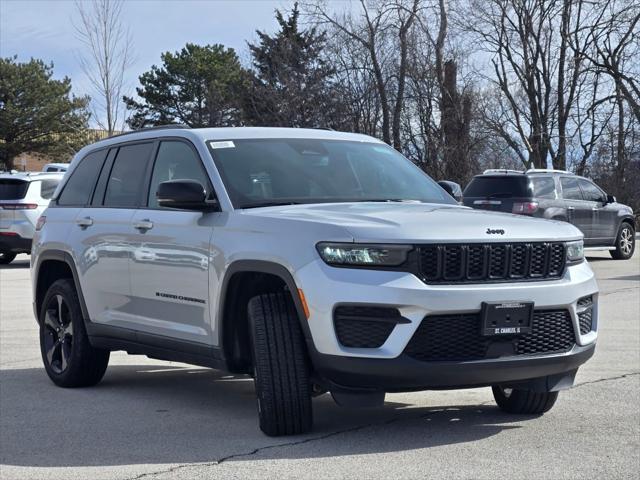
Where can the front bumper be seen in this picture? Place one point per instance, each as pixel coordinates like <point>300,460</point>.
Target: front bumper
<point>405,373</point>
<point>388,368</point>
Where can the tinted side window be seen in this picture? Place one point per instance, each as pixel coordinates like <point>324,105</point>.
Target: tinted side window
<point>127,175</point>
<point>570,188</point>
<point>590,191</point>
<point>47,188</point>
<point>78,188</point>
<point>543,187</point>
<point>175,161</point>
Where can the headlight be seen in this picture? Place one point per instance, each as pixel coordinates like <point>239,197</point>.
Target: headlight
<point>575,252</point>
<point>363,255</point>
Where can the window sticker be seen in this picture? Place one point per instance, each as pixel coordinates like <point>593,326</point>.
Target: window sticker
<point>227,144</point>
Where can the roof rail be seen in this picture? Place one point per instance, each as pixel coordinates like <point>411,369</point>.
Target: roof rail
<point>157,127</point>
<point>500,170</point>
<point>547,170</point>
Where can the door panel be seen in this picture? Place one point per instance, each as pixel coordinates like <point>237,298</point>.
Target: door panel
<point>107,238</point>
<point>103,251</point>
<point>170,264</point>
<point>170,274</point>
<point>579,212</point>
<point>604,216</point>
<point>608,220</point>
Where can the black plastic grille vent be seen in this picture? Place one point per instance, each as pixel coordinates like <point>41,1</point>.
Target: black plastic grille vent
<point>487,262</point>
<point>458,338</point>
<point>585,317</point>
<point>365,327</point>
<point>586,322</point>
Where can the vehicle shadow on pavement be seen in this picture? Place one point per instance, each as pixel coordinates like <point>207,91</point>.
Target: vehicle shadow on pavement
<point>627,278</point>
<point>168,414</point>
<point>15,265</point>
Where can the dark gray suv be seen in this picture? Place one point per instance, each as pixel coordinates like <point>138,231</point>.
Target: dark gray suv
<point>558,195</point>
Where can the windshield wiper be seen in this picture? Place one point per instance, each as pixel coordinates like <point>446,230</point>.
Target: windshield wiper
<point>274,203</point>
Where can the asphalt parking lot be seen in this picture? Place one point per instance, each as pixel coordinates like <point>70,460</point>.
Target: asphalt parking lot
<point>160,420</point>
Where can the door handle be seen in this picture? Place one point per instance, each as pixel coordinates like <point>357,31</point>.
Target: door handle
<point>571,209</point>
<point>84,222</point>
<point>145,224</point>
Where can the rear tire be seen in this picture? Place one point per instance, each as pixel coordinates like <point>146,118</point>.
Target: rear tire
<point>281,367</point>
<point>6,257</point>
<point>69,359</point>
<point>625,242</point>
<point>513,400</point>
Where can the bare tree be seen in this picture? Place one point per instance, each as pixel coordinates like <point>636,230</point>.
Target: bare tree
<point>383,29</point>
<point>536,56</point>
<point>107,42</point>
<point>613,47</point>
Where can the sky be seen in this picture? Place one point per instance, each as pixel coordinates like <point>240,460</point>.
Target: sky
<point>44,29</point>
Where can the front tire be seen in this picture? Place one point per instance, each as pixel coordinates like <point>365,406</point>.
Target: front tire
<point>625,242</point>
<point>513,400</point>
<point>281,367</point>
<point>68,357</point>
<point>6,257</point>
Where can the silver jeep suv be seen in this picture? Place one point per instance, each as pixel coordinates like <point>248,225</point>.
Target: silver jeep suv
<point>312,260</point>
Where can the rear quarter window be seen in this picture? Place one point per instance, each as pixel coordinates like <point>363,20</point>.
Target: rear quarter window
<point>77,191</point>
<point>13,189</point>
<point>543,187</point>
<point>506,186</point>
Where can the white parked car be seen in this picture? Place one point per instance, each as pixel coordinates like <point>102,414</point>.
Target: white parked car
<point>23,198</point>
<point>312,260</point>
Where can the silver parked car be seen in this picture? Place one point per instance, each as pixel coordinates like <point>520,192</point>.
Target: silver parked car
<point>23,198</point>
<point>313,261</point>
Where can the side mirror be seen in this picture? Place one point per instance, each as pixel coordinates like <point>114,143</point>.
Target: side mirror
<point>610,199</point>
<point>452,189</point>
<point>185,195</point>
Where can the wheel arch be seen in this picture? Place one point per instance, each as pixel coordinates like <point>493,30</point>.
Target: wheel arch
<point>243,280</point>
<point>627,219</point>
<point>51,266</point>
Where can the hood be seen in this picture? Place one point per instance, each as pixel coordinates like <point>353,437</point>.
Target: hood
<point>420,222</point>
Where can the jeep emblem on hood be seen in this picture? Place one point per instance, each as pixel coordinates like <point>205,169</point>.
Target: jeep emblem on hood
<point>491,231</point>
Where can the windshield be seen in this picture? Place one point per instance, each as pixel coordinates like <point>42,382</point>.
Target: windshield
<point>262,172</point>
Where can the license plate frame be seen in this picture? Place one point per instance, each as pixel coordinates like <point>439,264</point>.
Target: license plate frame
<point>508,318</point>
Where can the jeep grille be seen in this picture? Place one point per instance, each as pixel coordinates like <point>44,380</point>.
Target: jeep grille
<point>490,262</point>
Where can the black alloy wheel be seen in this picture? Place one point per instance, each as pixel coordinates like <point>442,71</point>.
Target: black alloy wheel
<point>58,335</point>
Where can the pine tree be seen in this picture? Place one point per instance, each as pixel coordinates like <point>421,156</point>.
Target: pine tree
<point>38,114</point>
<point>292,81</point>
<point>199,86</point>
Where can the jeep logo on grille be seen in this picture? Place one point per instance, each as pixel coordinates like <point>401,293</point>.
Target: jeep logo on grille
<point>491,231</point>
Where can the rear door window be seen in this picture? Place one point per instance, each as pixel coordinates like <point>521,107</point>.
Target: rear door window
<point>78,188</point>
<point>543,187</point>
<point>127,177</point>
<point>570,188</point>
<point>13,189</point>
<point>507,186</point>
